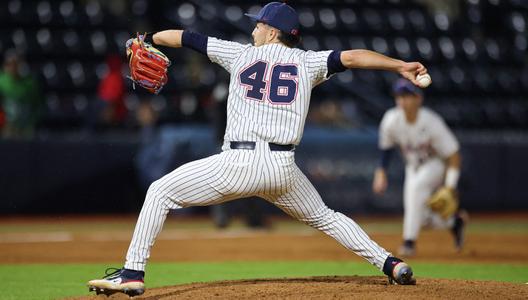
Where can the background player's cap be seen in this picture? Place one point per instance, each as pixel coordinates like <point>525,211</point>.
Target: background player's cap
<point>403,86</point>
<point>279,15</point>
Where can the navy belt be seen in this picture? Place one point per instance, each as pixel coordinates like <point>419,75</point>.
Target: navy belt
<point>251,146</point>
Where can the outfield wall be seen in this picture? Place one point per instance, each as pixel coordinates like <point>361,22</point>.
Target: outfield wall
<point>109,174</point>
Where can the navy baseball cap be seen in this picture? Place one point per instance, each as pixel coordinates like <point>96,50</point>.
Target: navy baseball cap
<point>279,15</point>
<point>403,86</point>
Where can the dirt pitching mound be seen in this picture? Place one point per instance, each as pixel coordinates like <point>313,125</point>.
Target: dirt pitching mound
<point>339,287</point>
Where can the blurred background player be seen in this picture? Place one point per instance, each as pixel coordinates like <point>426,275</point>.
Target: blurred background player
<point>432,159</point>
<point>109,109</point>
<point>20,98</point>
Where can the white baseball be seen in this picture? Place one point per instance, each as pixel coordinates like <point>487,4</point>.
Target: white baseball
<point>424,80</point>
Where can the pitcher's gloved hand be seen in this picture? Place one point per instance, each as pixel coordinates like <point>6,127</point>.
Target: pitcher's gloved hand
<point>148,65</point>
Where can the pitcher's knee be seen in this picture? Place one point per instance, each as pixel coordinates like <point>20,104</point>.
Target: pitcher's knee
<point>321,218</point>
<point>157,191</point>
<point>166,194</point>
<point>154,187</point>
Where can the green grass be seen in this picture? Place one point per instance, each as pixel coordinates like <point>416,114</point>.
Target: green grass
<point>49,281</point>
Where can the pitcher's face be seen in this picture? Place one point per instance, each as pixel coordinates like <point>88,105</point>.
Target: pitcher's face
<point>261,34</point>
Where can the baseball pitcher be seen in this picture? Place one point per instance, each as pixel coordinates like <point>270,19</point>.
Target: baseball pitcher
<point>269,94</point>
<point>432,163</point>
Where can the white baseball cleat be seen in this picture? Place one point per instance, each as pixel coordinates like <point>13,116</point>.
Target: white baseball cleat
<point>398,271</point>
<point>125,281</point>
<point>402,274</point>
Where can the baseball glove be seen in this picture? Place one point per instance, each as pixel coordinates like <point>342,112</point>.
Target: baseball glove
<point>148,65</point>
<point>444,202</point>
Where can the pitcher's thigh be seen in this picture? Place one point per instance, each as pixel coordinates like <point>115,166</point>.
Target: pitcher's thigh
<point>192,184</point>
<point>301,201</point>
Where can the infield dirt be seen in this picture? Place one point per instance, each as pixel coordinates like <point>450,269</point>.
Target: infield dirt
<point>74,240</point>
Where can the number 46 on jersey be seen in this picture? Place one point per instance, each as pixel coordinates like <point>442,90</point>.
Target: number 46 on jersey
<point>281,88</point>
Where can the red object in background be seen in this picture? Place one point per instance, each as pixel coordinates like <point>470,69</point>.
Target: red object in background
<point>2,118</point>
<point>112,88</point>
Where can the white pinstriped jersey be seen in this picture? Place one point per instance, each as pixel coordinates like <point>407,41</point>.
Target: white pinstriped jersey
<point>269,91</point>
<point>428,137</point>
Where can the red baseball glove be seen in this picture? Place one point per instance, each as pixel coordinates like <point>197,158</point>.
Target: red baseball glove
<point>148,65</point>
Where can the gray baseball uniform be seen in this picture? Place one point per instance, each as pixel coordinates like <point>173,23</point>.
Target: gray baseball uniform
<point>269,95</point>
<point>424,145</point>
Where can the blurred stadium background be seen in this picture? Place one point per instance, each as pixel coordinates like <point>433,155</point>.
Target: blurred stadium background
<point>87,142</point>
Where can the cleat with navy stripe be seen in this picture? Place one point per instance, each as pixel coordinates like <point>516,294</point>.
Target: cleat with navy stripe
<point>125,281</point>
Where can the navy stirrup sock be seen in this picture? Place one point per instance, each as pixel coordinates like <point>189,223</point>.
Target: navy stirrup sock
<point>389,264</point>
<point>133,274</point>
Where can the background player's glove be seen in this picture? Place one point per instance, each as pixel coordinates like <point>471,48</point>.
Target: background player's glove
<point>148,65</point>
<point>444,202</point>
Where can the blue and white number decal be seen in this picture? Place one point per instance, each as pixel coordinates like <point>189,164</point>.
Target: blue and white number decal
<point>281,88</point>
<point>253,78</point>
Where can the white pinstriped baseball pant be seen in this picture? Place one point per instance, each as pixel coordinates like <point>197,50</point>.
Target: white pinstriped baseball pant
<point>419,185</point>
<point>232,174</point>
